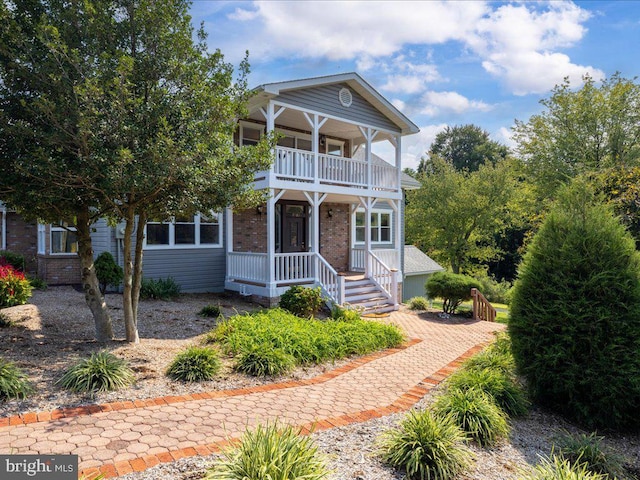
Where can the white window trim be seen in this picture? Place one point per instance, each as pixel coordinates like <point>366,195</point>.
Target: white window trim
<point>56,228</point>
<point>254,126</point>
<point>295,135</point>
<point>337,143</point>
<point>376,211</point>
<point>181,246</point>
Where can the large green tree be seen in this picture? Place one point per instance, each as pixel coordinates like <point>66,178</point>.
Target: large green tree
<point>455,215</point>
<point>466,147</point>
<point>114,101</point>
<point>581,131</point>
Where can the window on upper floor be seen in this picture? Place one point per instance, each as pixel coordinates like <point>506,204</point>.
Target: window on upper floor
<point>250,133</point>
<point>381,227</point>
<point>185,231</point>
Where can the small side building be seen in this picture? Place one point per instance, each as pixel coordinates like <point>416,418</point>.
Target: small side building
<point>417,268</point>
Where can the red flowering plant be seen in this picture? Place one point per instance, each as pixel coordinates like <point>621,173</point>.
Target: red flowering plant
<point>15,289</point>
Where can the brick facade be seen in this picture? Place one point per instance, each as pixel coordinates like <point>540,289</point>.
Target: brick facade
<point>335,232</point>
<point>250,230</point>
<point>60,269</point>
<point>22,238</point>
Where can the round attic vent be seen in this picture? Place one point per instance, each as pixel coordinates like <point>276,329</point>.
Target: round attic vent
<point>345,97</point>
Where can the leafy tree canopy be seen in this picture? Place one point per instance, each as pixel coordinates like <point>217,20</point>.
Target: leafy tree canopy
<point>464,147</point>
<point>581,131</point>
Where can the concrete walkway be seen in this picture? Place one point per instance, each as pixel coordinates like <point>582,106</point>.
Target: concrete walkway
<point>115,439</point>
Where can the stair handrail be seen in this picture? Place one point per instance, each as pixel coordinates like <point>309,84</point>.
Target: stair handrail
<point>482,308</point>
<point>331,282</point>
<point>383,276</point>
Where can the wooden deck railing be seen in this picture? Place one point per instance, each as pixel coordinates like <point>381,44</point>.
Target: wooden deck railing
<point>482,309</point>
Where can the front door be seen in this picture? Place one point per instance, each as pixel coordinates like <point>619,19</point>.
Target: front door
<point>294,227</point>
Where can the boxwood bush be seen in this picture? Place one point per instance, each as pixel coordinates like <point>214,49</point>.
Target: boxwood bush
<point>575,314</point>
<point>452,288</point>
<point>302,301</point>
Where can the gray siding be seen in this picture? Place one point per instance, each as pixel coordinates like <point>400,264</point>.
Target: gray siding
<point>325,99</point>
<point>101,237</point>
<point>413,286</point>
<point>194,269</point>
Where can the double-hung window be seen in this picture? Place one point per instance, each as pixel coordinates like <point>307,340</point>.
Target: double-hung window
<point>62,239</point>
<point>380,232</point>
<point>185,231</point>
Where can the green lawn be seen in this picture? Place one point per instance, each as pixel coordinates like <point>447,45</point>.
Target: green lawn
<point>502,310</point>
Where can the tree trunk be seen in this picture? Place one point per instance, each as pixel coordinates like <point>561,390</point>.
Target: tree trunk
<point>137,264</point>
<point>93,296</point>
<point>130,318</point>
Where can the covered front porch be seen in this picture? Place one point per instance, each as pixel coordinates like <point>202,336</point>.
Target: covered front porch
<point>308,238</point>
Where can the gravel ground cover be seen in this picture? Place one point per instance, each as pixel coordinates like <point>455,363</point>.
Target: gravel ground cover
<point>56,329</point>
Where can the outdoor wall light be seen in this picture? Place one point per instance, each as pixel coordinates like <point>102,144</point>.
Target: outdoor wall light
<point>330,213</point>
<point>323,140</point>
<point>259,209</point>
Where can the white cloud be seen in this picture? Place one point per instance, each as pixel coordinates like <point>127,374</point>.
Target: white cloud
<point>435,103</point>
<point>243,15</point>
<point>505,136</point>
<point>414,147</point>
<point>518,45</point>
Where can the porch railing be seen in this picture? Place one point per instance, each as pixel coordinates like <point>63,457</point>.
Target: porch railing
<point>298,165</point>
<point>250,267</point>
<point>294,267</point>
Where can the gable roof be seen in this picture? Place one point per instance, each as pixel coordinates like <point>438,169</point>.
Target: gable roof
<point>418,263</point>
<point>356,82</point>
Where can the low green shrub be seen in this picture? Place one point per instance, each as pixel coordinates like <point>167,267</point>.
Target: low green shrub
<point>160,289</point>
<point>15,289</point>
<point>557,468</point>
<point>196,364</point>
<point>475,413</point>
<point>494,291</point>
<point>590,450</point>
<point>264,361</point>
<point>109,273</point>
<point>452,288</point>
<point>419,303</point>
<point>426,446</point>
<point>345,314</point>
<point>306,341</point>
<point>210,311</point>
<point>101,372</point>
<point>37,283</point>
<point>13,382</point>
<point>14,259</point>
<point>271,453</point>
<point>502,388</point>
<point>493,358</point>
<point>304,302</point>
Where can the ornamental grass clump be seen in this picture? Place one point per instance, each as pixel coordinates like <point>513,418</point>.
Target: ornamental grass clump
<point>271,453</point>
<point>590,451</point>
<point>263,361</point>
<point>210,311</point>
<point>475,413</point>
<point>503,389</point>
<point>418,303</point>
<point>426,446</point>
<point>13,382</point>
<point>558,468</point>
<point>101,372</point>
<point>196,364</point>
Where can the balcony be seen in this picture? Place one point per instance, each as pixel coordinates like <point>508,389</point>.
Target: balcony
<point>292,165</point>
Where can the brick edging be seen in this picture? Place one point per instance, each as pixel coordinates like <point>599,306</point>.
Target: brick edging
<point>402,403</point>
<point>32,417</point>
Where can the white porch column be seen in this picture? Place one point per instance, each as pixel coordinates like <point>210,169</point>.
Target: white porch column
<point>398,144</point>
<point>271,243</point>
<point>228,224</point>
<point>367,234</point>
<point>315,201</point>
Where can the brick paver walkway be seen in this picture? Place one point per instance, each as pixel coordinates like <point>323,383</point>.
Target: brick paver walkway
<point>116,439</point>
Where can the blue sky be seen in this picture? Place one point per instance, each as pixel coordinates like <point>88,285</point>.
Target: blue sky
<point>440,63</point>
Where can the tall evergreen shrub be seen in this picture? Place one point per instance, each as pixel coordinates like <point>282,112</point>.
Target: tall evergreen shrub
<point>575,314</point>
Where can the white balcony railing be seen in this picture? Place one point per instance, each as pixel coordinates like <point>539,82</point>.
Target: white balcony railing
<point>299,165</point>
<point>388,256</point>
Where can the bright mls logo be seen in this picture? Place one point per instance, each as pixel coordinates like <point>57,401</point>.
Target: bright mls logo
<point>44,467</point>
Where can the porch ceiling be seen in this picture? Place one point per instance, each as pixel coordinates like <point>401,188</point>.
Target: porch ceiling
<point>295,120</point>
<point>298,195</point>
